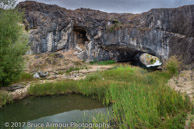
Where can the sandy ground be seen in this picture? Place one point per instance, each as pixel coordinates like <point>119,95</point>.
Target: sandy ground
<point>184,83</point>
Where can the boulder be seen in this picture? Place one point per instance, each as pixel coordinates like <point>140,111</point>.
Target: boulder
<point>43,74</point>
<point>36,75</point>
<point>14,87</point>
<point>58,55</point>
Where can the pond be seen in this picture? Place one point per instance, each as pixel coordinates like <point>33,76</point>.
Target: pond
<point>64,109</point>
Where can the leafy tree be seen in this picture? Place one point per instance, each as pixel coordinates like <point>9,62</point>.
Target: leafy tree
<point>13,43</point>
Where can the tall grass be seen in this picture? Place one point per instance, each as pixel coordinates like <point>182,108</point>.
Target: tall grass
<point>25,77</point>
<point>139,99</point>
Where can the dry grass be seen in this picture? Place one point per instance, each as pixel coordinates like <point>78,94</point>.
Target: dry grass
<point>50,62</point>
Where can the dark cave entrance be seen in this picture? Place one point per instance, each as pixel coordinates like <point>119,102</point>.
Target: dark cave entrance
<point>80,37</point>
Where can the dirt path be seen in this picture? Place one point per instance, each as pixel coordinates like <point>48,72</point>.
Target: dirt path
<point>80,74</point>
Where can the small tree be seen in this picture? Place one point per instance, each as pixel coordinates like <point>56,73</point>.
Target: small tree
<point>13,43</point>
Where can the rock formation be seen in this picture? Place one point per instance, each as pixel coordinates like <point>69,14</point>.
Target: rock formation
<point>97,35</point>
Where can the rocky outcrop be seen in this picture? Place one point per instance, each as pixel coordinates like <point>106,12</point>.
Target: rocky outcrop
<point>97,35</point>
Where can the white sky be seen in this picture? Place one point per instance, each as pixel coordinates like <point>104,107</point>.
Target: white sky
<point>120,6</point>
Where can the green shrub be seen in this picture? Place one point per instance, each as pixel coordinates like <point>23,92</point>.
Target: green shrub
<point>13,45</point>
<point>26,77</point>
<point>115,26</point>
<point>172,66</point>
<point>4,98</point>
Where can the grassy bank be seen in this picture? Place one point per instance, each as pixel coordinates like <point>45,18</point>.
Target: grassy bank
<point>4,98</point>
<point>139,99</point>
<point>107,62</point>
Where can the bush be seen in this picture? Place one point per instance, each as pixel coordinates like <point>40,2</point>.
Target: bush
<point>25,77</point>
<point>4,98</point>
<point>172,66</point>
<point>13,45</point>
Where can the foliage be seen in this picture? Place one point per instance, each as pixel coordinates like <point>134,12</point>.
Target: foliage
<point>152,61</point>
<point>114,27</point>
<point>25,77</point>
<point>139,99</point>
<point>72,69</point>
<point>108,62</point>
<point>13,45</point>
<point>172,66</point>
<point>176,122</point>
<point>4,98</point>
<point>93,77</point>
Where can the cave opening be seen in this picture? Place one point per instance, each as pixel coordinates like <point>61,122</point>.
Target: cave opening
<point>147,61</point>
<point>80,36</point>
<point>138,58</point>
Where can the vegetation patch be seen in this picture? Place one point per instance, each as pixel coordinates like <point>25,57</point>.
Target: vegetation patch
<point>172,66</point>
<point>139,99</point>
<point>13,45</point>
<point>108,62</point>
<point>25,77</point>
<point>4,98</point>
<point>72,69</point>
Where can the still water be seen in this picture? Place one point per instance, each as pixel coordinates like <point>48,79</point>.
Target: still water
<point>61,109</point>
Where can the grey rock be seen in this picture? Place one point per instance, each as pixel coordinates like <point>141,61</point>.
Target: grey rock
<point>58,55</point>
<point>15,87</point>
<point>104,36</point>
<point>36,75</point>
<point>40,74</point>
<point>43,74</point>
<point>36,57</point>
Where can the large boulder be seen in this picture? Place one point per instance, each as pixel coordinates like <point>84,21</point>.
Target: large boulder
<point>40,74</point>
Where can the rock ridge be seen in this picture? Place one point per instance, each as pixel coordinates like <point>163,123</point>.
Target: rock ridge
<point>97,35</point>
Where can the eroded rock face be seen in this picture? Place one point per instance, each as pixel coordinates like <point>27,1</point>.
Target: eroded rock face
<point>98,35</point>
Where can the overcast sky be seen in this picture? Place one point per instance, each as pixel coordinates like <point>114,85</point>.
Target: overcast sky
<point>120,6</point>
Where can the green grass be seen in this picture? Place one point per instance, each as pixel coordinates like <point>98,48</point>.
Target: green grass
<point>4,98</point>
<point>25,77</point>
<point>139,99</point>
<point>72,69</point>
<point>172,65</point>
<point>108,62</point>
